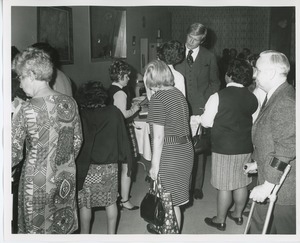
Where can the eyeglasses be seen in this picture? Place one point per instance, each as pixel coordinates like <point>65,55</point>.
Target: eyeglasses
<point>20,77</point>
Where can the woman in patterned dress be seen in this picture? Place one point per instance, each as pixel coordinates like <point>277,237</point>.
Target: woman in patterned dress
<point>173,152</point>
<point>50,125</point>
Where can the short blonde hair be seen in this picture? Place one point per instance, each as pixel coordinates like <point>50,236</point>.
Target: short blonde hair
<point>197,29</point>
<point>158,74</point>
<point>277,60</point>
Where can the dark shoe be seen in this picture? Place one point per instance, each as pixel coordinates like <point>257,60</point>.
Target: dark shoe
<point>133,208</point>
<point>237,220</point>
<point>198,194</point>
<point>219,226</point>
<point>151,229</point>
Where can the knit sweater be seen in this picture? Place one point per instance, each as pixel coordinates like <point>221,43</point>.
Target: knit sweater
<point>105,140</point>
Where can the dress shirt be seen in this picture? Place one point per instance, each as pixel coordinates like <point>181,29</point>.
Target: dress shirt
<point>194,54</point>
<point>178,80</point>
<point>211,109</point>
<point>260,95</point>
<point>63,83</point>
<point>271,91</point>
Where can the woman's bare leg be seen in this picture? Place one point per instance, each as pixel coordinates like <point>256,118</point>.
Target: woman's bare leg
<point>85,220</point>
<point>178,215</point>
<point>125,187</point>
<point>112,215</point>
<point>224,200</point>
<point>240,198</point>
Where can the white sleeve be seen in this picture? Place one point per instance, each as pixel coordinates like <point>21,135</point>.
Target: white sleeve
<point>211,109</point>
<point>181,86</point>
<point>120,101</point>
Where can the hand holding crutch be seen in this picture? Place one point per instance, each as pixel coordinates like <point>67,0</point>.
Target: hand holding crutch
<point>272,197</point>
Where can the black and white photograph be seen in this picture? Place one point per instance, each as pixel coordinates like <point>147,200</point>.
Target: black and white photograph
<point>164,121</point>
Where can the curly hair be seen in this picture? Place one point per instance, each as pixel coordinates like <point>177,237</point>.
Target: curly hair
<point>171,52</point>
<point>252,59</point>
<point>91,95</point>
<point>33,61</point>
<point>240,72</point>
<point>118,69</point>
<point>158,74</point>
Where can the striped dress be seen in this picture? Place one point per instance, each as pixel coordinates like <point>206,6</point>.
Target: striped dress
<point>169,108</point>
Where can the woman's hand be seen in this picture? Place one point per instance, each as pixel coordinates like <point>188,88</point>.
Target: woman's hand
<point>135,108</point>
<point>250,168</point>
<point>153,172</point>
<point>194,123</point>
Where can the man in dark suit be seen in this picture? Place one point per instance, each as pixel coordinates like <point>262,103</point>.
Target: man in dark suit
<point>201,74</point>
<point>274,139</point>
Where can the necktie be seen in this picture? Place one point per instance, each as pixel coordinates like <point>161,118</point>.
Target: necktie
<point>189,58</point>
<point>264,103</point>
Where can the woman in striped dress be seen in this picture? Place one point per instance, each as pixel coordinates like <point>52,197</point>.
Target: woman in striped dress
<point>171,141</point>
<point>229,113</point>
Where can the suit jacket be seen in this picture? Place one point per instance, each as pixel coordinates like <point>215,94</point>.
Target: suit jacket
<point>202,79</point>
<point>274,135</point>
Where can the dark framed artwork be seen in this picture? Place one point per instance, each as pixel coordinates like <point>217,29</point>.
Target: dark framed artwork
<point>55,27</point>
<point>108,33</point>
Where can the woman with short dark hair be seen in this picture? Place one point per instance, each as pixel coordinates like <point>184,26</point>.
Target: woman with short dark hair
<point>172,52</point>
<point>105,146</point>
<point>229,113</point>
<point>119,72</point>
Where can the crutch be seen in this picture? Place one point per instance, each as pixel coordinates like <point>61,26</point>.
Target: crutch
<point>272,197</point>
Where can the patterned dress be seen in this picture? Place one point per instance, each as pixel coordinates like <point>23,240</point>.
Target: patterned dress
<point>47,188</point>
<point>169,108</point>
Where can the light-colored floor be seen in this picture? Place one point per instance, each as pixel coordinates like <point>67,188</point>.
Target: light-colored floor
<point>131,222</point>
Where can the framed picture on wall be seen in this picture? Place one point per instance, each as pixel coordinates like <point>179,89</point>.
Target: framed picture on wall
<point>55,27</point>
<point>108,33</point>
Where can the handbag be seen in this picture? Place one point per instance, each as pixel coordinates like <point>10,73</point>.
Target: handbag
<point>170,225</point>
<point>151,208</point>
<point>202,141</point>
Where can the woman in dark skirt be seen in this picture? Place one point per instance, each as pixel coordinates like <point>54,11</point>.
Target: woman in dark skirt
<point>229,113</point>
<point>105,145</point>
<point>119,72</point>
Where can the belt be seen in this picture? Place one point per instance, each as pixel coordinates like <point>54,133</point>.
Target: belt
<point>177,140</point>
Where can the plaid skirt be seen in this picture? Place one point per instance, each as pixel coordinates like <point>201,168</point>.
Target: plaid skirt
<point>100,188</point>
<point>132,138</point>
<point>227,171</point>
